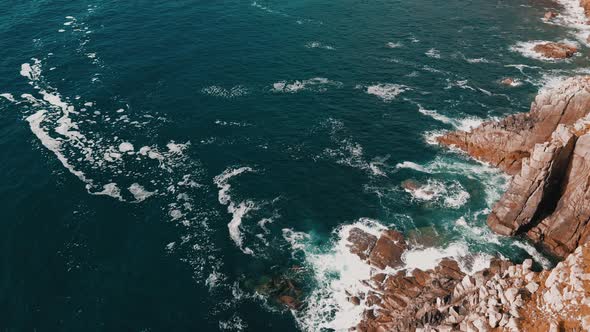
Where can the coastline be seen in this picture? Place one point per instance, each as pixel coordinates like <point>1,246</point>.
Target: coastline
<point>547,153</point>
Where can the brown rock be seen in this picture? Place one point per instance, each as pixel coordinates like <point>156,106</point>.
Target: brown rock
<point>290,302</point>
<point>548,151</point>
<point>549,15</point>
<point>388,250</point>
<point>361,242</point>
<point>354,300</point>
<point>507,81</point>
<point>410,185</point>
<point>556,50</point>
<point>531,192</point>
<point>506,142</point>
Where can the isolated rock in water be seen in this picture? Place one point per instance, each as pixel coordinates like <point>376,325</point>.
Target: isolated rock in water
<point>508,81</point>
<point>556,50</point>
<point>506,142</point>
<point>388,250</point>
<point>361,242</point>
<point>411,185</point>
<point>549,15</point>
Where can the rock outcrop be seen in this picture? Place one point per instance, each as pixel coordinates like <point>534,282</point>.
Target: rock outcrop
<point>556,50</point>
<point>506,142</point>
<point>503,297</point>
<point>548,152</point>
<point>382,252</point>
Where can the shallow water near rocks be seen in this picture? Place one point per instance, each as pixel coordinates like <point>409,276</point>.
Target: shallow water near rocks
<point>162,162</point>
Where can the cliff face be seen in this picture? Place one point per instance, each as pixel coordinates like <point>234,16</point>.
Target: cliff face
<point>548,152</point>
<point>505,143</point>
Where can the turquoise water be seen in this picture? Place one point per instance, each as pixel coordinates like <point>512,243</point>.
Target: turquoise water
<point>133,133</point>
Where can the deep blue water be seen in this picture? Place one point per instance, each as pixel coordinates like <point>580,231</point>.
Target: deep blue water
<point>321,109</point>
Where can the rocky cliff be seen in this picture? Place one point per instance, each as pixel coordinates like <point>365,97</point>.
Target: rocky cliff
<point>548,152</point>
<point>503,297</point>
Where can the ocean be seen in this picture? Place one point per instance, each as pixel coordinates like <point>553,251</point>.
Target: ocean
<point>166,164</point>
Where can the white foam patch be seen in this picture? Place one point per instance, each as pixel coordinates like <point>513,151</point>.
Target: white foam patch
<point>126,147</point>
<point>52,144</point>
<point>221,92</point>
<point>112,190</point>
<point>237,210</point>
<point>494,181</point>
<point>139,192</point>
<point>394,45</point>
<point>348,152</point>
<point>433,53</point>
<point>8,96</point>
<point>477,60</point>
<point>428,258</point>
<point>451,194</point>
<point>464,124</point>
<point>317,84</point>
<point>526,49</point>
<point>316,44</point>
<point>572,16</point>
<point>386,91</point>
<point>412,165</point>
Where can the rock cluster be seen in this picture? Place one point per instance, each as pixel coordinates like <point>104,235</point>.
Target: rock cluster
<point>548,152</point>
<point>503,297</point>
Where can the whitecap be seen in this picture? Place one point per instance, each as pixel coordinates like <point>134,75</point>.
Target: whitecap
<point>8,96</point>
<point>394,45</point>
<point>221,92</point>
<point>386,91</point>
<point>239,210</point>
<point>126,147</point>
<point>139,192</point>
<point>433,53</point>
<point>316,44</point>
<point>319,84</point>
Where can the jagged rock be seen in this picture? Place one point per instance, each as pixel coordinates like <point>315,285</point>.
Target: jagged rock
<point>361,242</point>
<point>548,151</point>
<point>532,287</point>
<point>556,50</point>
<point>506,142</point>
<point>388,250</point>
<point>511,294</point>
<point>527,265</point>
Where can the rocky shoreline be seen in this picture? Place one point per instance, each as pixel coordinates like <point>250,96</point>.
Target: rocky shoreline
<point>547,153</point>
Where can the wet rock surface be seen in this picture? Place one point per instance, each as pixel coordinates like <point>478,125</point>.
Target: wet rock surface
<point>555,50</point>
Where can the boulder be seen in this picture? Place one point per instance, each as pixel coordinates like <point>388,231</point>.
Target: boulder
<point>556,50</point>
<point>361,242</point>
<point>388,250</point>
